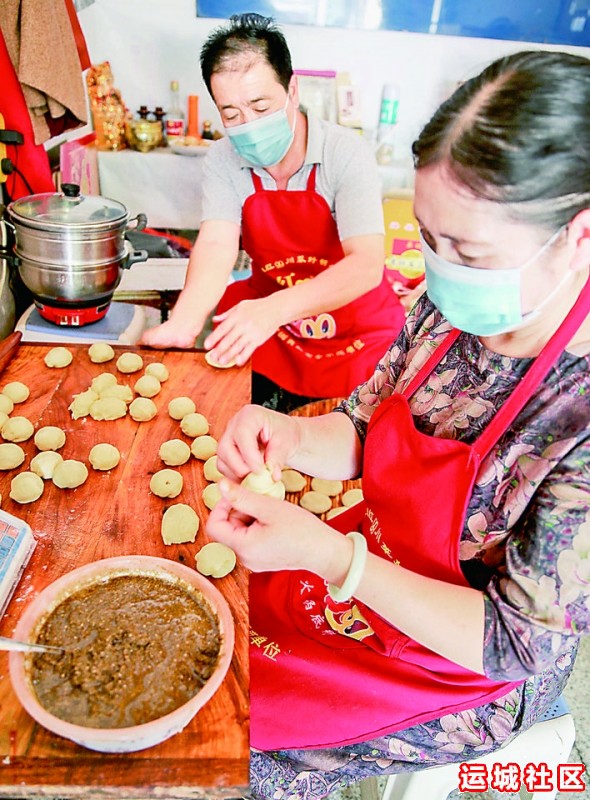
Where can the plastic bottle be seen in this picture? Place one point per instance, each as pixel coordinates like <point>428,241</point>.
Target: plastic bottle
<point>175,116</point>
<point>387,123</point>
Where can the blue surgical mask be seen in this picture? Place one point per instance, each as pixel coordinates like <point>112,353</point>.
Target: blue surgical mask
<point>484,302</point>
<point>264,141</point>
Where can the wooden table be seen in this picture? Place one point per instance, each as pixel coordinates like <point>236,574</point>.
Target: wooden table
<point>114,513</point>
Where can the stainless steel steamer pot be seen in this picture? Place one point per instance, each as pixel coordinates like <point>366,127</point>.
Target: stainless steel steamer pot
<point>70,249</point>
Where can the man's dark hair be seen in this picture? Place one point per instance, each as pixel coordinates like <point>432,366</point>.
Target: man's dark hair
<point>246,34</point>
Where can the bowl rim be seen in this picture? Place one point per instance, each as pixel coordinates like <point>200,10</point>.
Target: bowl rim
<point>85,575</point>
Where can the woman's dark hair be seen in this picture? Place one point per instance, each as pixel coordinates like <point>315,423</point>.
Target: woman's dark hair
<point>518,134</point>
<point>246,33</point>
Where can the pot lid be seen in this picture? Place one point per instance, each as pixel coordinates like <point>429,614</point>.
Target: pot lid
<point>68,208</point>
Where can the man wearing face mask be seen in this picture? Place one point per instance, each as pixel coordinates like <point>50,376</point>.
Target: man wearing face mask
<point>301,196</point>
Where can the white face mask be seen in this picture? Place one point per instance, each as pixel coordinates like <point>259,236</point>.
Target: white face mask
<point>484,302</point>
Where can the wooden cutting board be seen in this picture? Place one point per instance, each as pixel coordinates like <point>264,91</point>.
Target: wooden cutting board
<point>114,513</point>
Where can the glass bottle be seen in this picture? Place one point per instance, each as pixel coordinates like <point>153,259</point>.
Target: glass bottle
<point>175,116</point>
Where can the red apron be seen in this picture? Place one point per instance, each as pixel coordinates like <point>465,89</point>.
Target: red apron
<point>291,237</point>
<point>324,674</point>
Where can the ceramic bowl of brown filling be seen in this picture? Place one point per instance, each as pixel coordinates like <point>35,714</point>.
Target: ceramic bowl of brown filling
<point>147,642</point>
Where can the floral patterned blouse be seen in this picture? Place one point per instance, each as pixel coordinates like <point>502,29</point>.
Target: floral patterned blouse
<point>525,544</point>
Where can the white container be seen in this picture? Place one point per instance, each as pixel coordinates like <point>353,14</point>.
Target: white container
<point>138,737</point>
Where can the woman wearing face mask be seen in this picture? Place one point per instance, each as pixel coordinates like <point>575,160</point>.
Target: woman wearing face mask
<point>304,197</point>
<point>449,616</point>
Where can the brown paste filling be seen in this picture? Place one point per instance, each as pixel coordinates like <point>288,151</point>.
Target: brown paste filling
<point>136,647</point>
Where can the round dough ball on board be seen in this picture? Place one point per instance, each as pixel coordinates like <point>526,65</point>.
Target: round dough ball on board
<point>100,352</point>
<point>211,495</point>
<point>26,487</point>
<point>118,390</point>
<point>210,470</point>
<point>108,408</point>
<point>215,559</point>
<point>203,447</point>
<point>352,497</point>
<point>213,363</point>
<point>166,483</point>
<point>179,407</point>
<point>6,404</point>
<point>294,481</point>
<point>333,512</point>
<point>80,405</point>
<point>45,462</point>
<point>17,391</point>
<point>174,452</point>
<point>325,486</point>
<point>180,524</point>
<point>50,437</point>
<point>316,502</point>
<point>147,386</point>
<point>100,382</point>
<point>104,456</point>
<point>11,456</point>
<point>17,429</point>
<point>194,424</point>
<point>129,362</point>
<point>58,357</point>
<point>158,370</point>
<point>142,409</point>
<point>69,474</point>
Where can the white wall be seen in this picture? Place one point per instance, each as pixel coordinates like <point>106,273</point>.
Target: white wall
<point>151,42</point>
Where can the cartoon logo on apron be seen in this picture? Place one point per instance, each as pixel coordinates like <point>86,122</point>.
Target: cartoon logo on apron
<point>321,327</point>
<point>348,622</point>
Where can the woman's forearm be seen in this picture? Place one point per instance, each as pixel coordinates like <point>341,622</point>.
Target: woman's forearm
<point>329,447</point>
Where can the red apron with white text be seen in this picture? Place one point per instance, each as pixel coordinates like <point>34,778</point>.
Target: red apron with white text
<point>324,674</point>
<point>291,237</point>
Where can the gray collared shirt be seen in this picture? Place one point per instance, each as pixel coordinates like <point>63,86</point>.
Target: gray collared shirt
<point>347,178</point>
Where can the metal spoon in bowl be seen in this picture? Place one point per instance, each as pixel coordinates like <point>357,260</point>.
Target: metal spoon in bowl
<point>27,647</point>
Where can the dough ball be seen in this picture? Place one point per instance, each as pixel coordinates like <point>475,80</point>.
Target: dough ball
<point>17,429</point>
<point>129,362</point>
<point>26,487</point>
<point>17,392</point>
<point>174,452</point>
<point>294,481</point>
<point>142,409</point>
<point>3,418</point>
<point>99,352</point>
<point>213,363</point>
<point>211,495</point>
<point>11,456</point>
<point>166,483</point>
<point>352,497</point>
<point>316,502</point>
<point>58,357</point>
<point>69,473</point>
<point>179,407</point>
<point>158,370</point>
<point>147,386</point>
<point>80,405</point>
<point>204,447</point>
<point>102,381</point>
<point>180,523</point>
<point>108,408</point>
<point>104,456</point>
<point>6,404</point>
<point>118,390</point>
<point>324,486</point>
<point>210,470</point>
<point>44,463</point>
<point>50,437</point>
<point>263,483</point>
<point>215,559</point>
<point>194,424</point>
<point>333,512</point>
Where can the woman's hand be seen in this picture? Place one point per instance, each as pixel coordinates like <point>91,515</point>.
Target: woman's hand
<point>269,534</point>
<point>242,329</point>
<point>255,437</point>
